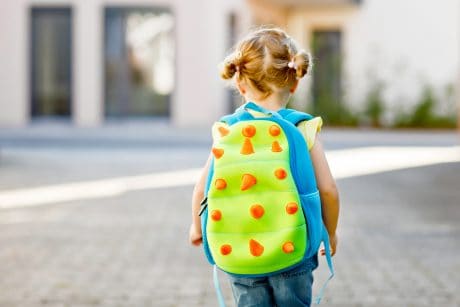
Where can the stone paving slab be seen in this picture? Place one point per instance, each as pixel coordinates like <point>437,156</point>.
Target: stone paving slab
<point>398,247</point>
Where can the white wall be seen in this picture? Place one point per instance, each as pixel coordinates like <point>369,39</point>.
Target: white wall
<point>199,42</point>
<point>404,43</point>
<point>203,35</point>
<point>14,108</point>
<point>88,90</point>
<point>201,38</point>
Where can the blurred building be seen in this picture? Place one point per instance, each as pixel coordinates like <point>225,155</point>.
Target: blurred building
<point>89,60</point>
<point>400,48</point>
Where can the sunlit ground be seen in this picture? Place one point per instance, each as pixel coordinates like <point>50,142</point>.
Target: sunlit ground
<point>104,222</point>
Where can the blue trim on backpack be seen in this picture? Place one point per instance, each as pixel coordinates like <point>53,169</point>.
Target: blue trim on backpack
<point>293,116</point>
<point>204,217</point>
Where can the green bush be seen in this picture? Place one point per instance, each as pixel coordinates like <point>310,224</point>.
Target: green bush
<point>423,114</point>
<point>334,113</point>
<point>375,106</point>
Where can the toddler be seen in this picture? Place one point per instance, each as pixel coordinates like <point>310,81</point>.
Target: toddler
<point>266,67</point>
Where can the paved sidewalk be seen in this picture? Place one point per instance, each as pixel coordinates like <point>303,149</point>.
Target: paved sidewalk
<point>398,234</point>
<point>398,247</point>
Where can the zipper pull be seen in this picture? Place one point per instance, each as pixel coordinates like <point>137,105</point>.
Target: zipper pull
<point>203,206</point>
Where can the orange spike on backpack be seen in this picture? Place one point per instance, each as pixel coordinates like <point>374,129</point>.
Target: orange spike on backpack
<point>292,207</point>
<point>257,211</point>
<point>223,131</point>
<point>280,173</point>
<point>247,181</point>
<point>274,130</point>
<point>220,184</point>
<point>218,152</point>
<point>247,148</point>
<point>216,215</point>
<point>225,249</point>
<point>276,147</point>
<point>249,131</point>
<point>256,248</point>
<point>288,247</point>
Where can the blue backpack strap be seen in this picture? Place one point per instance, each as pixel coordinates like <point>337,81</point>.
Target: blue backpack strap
<point>327,250</point>
<point>239,115</point>
<point>293,116</point>
<point>242,114</point>
<point>220,296</point>
<point>231,118</point>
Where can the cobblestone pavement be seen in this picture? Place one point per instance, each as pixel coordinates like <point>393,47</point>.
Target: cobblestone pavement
<point>398,238</point>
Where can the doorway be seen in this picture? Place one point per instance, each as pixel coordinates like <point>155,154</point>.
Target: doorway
<point>51,62</point>
<point>327,71</point>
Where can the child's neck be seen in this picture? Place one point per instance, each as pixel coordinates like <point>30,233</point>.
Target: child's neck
<point>274,102</point>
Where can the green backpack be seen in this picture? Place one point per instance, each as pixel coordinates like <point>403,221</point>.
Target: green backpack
<point>262,210</point>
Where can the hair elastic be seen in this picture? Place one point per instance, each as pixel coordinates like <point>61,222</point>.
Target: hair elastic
<point>292,64</point>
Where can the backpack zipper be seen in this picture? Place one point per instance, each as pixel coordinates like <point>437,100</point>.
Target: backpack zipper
<point>203,205</point>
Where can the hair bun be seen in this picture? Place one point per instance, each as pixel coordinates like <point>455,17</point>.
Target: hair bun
<point>228,70</point>
<point>266,60</point>
<point>302,62</point>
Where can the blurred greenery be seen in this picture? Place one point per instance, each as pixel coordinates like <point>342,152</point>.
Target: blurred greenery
<point>424,115</point>
<point>375,106</point>
<point>334,113</point>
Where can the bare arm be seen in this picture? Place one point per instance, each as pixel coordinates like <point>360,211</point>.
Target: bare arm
<point>328,191</point>
<point>198,194</point>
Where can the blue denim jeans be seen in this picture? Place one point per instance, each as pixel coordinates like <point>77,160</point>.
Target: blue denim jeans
<point>291,288</point>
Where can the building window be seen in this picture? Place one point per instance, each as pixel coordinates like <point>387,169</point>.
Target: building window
<point>327,71</point>
<point>139,61</point>
<point>50,61</point>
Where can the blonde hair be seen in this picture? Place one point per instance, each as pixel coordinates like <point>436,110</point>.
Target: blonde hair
<point>268,59</point>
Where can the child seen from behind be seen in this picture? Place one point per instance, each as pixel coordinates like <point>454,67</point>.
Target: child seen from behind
<point>266,67</point>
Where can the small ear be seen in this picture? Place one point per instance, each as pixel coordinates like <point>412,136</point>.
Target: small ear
<point>241,87</point>
<point>294,87</point>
